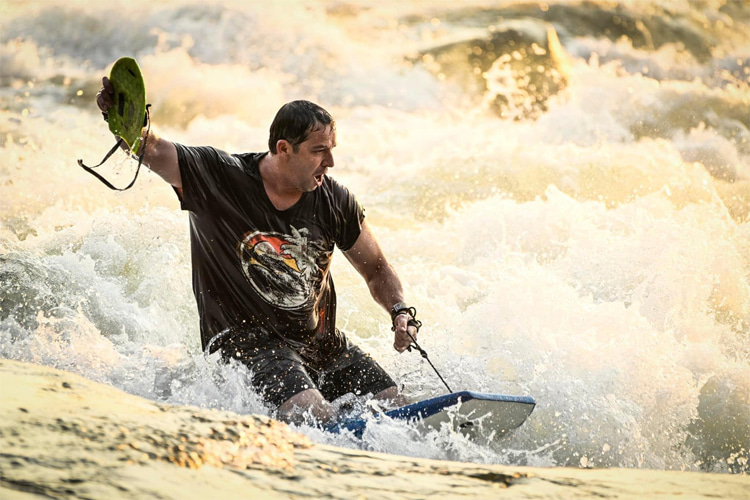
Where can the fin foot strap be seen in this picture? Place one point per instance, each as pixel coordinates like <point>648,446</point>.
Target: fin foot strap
<point>120,141</point>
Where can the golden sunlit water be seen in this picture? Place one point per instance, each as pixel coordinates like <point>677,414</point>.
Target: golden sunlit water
<point>564,188</point>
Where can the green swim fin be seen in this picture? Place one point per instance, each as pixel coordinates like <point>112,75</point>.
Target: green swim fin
<point>127,116</point>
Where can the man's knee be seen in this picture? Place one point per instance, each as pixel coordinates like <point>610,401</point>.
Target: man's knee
<point>391,397</point>
<point>309,400</point>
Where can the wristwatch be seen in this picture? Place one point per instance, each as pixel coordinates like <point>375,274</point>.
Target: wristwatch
<point>398,308</point>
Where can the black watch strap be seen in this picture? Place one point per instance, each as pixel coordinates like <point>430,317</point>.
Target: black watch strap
<point>401,308</point>
<point>398,308</point>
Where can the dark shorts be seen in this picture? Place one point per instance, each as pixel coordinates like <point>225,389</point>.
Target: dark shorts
<point>279,371</point>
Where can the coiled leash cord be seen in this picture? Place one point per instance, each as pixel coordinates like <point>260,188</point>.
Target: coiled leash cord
<point>147,124</point>
<point>413,321</point>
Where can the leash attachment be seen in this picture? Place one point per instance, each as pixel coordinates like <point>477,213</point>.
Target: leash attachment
<point>401,308</point>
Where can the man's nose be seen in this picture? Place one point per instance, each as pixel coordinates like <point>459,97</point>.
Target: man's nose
<point>328,160</point>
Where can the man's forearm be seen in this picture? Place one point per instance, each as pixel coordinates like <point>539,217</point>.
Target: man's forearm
<point>385,287</point>
<point>383,282</point>
<point>387,291</point>
<point>161,157</point>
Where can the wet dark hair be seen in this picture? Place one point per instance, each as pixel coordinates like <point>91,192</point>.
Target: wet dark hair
<point>295,121</point>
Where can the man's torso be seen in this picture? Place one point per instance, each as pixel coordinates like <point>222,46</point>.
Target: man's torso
<point>256,267</point>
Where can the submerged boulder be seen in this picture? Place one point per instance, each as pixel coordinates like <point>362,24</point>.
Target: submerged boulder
<point>513,70</point>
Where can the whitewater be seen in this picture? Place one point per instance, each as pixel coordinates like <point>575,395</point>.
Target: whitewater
<point>563,187</point>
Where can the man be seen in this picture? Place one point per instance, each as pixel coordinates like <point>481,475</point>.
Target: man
<point>263,227</point>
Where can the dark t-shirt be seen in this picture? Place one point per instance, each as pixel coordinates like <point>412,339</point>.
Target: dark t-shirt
<point>256,268</point>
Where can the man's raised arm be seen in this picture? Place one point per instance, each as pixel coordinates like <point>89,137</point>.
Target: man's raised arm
<point>160,155</point>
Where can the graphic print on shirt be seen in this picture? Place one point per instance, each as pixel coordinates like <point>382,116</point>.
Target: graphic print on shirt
<point>282,268</point>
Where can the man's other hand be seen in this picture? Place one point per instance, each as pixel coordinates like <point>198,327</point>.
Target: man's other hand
<point>401,339</point>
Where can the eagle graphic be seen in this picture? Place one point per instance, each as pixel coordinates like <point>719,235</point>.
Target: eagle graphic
<point>281,268</point>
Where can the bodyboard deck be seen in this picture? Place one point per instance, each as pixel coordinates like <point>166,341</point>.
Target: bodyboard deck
<point>479,416</point>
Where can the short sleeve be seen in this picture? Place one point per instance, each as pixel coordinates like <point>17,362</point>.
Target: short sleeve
<point>203,172</point>
<point>348,216</point>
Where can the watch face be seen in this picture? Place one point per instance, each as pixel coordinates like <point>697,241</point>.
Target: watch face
<point>399,306</point>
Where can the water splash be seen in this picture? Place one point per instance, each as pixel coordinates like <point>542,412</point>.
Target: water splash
<point>595,257</point>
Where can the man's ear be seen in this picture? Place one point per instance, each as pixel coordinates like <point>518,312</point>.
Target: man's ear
<point>283,147</point>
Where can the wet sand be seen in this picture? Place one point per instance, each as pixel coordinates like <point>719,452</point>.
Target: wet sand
<point>64,436</point>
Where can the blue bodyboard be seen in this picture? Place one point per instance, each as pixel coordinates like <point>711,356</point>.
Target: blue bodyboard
<point>479,416</point>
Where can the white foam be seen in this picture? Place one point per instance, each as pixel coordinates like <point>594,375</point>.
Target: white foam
<point>585,258</point>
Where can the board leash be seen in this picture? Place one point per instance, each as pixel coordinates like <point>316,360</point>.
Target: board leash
<point>424,355</point>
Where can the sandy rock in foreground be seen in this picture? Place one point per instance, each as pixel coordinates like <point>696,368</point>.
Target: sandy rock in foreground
<point>63,436</point>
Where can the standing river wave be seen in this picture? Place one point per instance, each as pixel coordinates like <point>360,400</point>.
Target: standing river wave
<point>564,188</point>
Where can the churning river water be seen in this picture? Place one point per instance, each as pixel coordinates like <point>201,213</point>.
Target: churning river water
<point>564,188</point>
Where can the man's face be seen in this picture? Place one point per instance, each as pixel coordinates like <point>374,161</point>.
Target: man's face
<point>312,160</point>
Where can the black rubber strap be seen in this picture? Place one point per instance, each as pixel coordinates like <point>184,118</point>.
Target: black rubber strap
<point>106,157</point>
<point>402,308</point>
<point>147,123</point>
<point>411,311</point>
